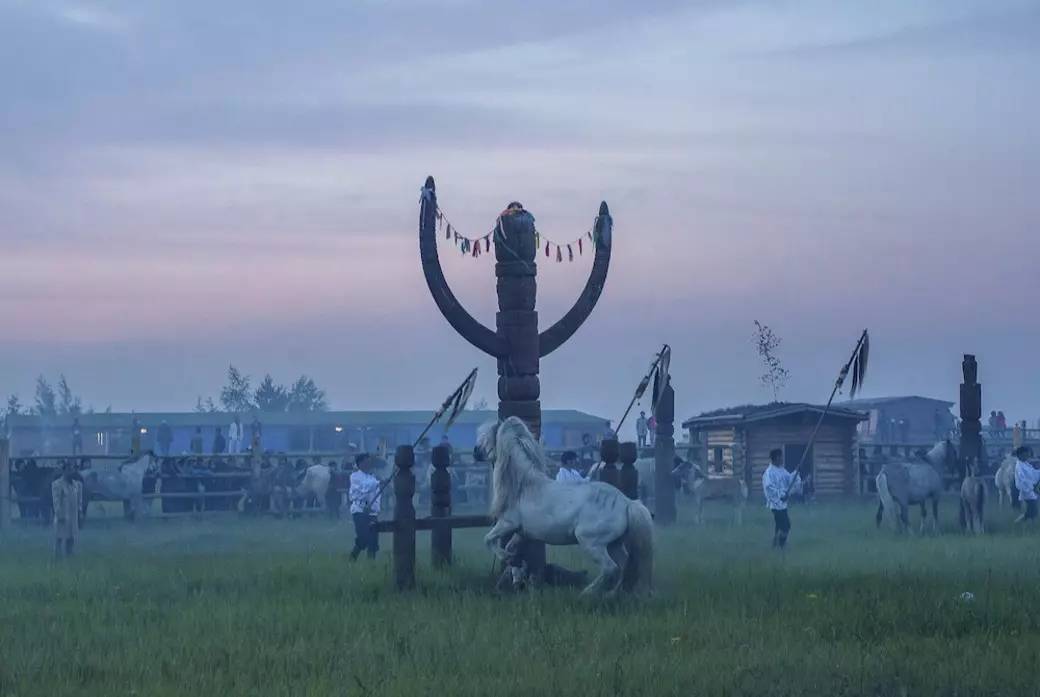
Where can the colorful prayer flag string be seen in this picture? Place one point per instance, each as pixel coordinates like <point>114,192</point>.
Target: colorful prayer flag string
<point>475,246</point>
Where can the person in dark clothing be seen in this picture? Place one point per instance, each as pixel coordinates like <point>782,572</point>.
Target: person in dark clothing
<point>77,437</point>
<point>164,438</point>
<point>196,441</point>
<point>219,444</point>
<point>256,433</point>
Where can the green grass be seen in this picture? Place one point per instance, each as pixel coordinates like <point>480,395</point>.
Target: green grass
<point>236,607</point>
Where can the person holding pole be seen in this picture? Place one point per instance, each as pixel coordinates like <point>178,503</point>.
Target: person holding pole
<point>777,484</point>
<point>365,491</point>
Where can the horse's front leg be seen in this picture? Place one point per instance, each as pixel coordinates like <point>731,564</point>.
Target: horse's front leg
<point>501,528</point>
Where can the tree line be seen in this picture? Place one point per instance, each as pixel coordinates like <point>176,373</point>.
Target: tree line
<point>236,395</point>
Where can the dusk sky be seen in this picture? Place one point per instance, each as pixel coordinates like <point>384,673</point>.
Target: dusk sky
<point>190,184</point>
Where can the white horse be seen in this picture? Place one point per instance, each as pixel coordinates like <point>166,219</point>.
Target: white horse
<point>614,530</point>
<point>1005,480</point>
<point>315,483</point>
<point>973,502</point>
<point>691,478</point>
<point>904,484</point>
<point>123,484</point>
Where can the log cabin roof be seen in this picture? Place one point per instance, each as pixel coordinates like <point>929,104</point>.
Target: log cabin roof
<point>872,402</point>
<point>749,413</point>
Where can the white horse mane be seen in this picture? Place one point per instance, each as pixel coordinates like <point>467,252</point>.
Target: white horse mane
<point>517,460</point>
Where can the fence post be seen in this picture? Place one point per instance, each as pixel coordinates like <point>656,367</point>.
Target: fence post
<point>629,476</point>
<point>664,458</point>
<point>608,452</point>
<point>440,505</point>
<point>404,518</point>
<point>5,485</point>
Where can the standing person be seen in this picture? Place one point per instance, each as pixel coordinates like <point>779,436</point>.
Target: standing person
<point>196,441</point>
<point>569,471</point>
<point>651,425</point>
<point>234,437</point>
<point>164,438</point>
<point>1026,479</point>
<point>364,507</point>
<point>776,481</point>
<point>992,423</point>
<point>641,429</point>
<point>219,444</point>
<point>67,498</point>
<point>1002,424</point>
<point>256,433</point>
<point>135,437</point>
<point>77,437</point>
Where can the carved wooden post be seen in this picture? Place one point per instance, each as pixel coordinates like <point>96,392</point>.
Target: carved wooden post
<point>628,479</point>
<point>404,518</point>
<point>516,342</point>
<point>440,505</point>
<point>971,413</point>
<point>609,451</point>
<point>664,457</point>
<point>5,485</point>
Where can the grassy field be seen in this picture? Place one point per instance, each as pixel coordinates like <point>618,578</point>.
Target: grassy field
<point>234,607</point>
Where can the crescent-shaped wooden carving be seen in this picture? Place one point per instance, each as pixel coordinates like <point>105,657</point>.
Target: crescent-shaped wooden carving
<point>554,337</point>
<point>464,323</point>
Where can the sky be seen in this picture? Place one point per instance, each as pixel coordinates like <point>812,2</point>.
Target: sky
<point>190,184</point>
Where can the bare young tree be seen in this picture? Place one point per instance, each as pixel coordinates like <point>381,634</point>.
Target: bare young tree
<point>776,375</point>
<point>237,394</point>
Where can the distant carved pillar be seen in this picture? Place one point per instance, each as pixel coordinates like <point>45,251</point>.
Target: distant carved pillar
<point>609,451</point>
<point>440,505</point>
<point>5,484</point>
<point>664,457</point>
<point>971,413</point>
<point>628,478</point>
<point>404,519</point>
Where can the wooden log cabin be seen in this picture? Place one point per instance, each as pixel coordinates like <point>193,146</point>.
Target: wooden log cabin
<point>737,441</point>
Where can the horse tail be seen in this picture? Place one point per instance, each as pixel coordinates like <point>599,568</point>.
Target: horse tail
<point>884,497</point>
<point>639,539</point>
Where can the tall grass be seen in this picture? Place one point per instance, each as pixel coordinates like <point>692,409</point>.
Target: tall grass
<point>233,607</point>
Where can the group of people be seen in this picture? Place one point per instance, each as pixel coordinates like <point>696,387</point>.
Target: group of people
<point>997,424</point>
<point>235,440</point>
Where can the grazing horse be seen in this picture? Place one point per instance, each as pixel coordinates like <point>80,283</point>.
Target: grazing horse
<point>124,484</point>
<point>692,479</point>
<point>1005,482</point>
<point>614,530</point>
<point>904,484</point>
<point>973,501</point>
<point>703,488</point>
<point>315,483</point>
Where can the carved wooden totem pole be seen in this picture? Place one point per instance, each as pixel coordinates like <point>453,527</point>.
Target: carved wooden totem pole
<point>516,342</point>
<point>971,414</point>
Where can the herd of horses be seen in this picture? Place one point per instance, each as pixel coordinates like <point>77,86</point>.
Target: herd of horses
<point>285,488</point>
<point>282,489</point>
